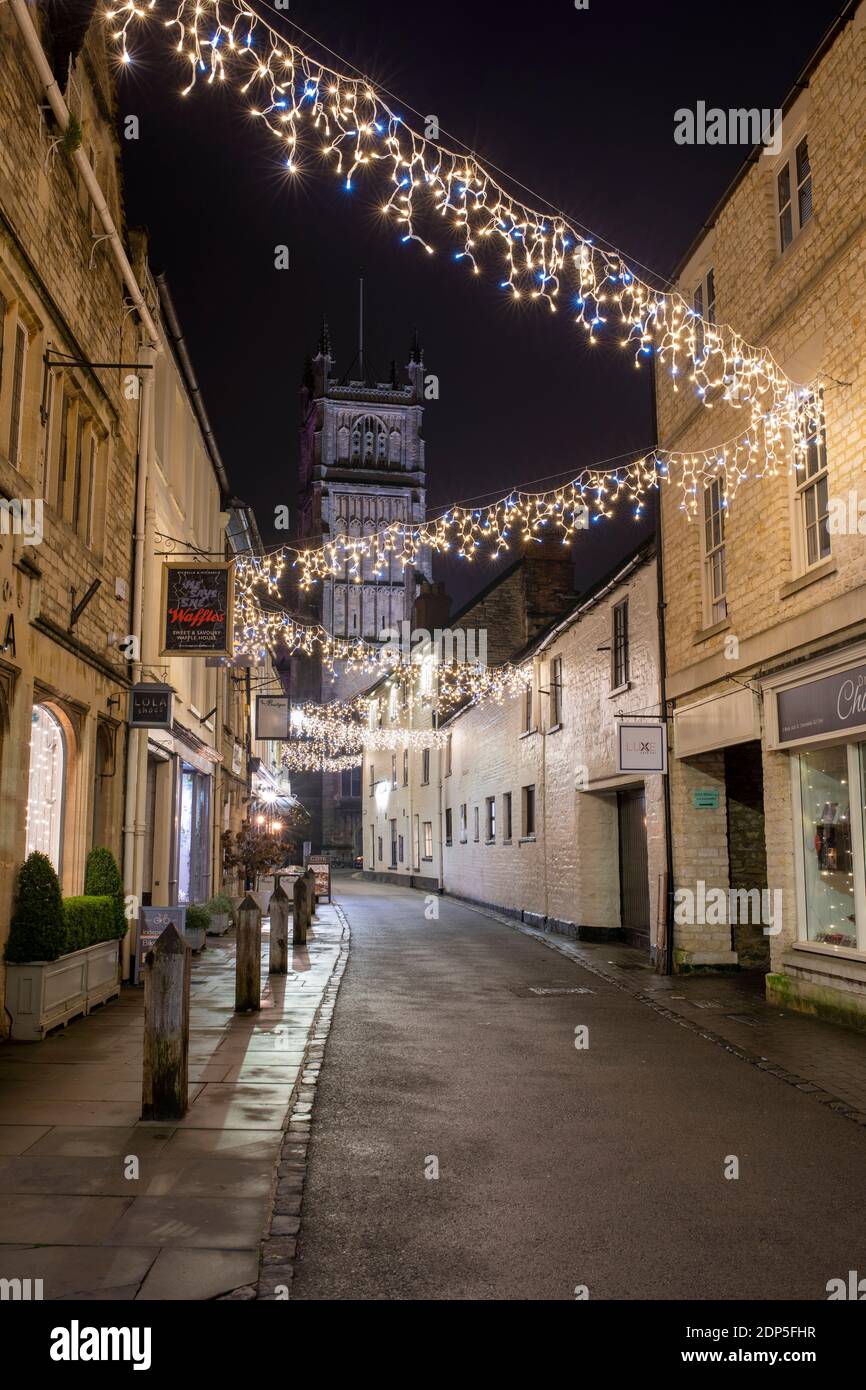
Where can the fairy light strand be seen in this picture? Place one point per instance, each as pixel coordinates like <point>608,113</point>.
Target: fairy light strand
<point>306,104</point>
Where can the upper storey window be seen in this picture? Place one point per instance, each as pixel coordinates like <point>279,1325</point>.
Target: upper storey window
<point>794,193</point>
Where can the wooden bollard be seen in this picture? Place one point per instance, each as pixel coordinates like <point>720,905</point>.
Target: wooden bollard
<point>248,964</point>
<point>165,1073</point>
<point>301,913</point>
<point>278,952</point>
<point>310,880</point>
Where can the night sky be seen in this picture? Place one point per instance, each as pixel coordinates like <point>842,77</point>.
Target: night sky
<point>578,105</point>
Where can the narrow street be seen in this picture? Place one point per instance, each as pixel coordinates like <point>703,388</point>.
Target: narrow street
<point>558,1167</point>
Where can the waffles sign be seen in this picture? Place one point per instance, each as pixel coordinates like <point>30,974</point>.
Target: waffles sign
<point>197,609</point>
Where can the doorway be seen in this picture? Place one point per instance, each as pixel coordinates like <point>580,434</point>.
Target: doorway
<point>633,869</point>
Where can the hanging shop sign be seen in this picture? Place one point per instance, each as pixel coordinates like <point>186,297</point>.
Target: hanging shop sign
<point>152,922</point>
<point>828,705</point>
<point>642,747</point>
<point>150,706</point>
<point>273,717</point>
<point>321,867</point>
<point>197,609</point>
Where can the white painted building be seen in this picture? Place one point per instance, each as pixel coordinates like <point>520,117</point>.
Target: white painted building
<point>523,808</point>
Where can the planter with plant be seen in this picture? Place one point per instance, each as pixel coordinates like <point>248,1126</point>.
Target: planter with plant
<point>62,954</point>
<point>220,911</point>
<point>196,925</point>
<point>257,852</point>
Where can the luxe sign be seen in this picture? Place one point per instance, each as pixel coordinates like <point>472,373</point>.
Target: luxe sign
<point>197,609</point>
<point>824,706</point>
<point>642,748</point>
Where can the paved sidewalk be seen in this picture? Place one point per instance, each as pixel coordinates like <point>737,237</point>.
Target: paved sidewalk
<point>189,1225</point>
<point>819,1058</point>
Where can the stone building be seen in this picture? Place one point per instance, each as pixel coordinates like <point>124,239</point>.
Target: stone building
<point>521,806</point>
<point>362,467</point>
<point>68,441</point>
<point>107,463</point>
<point>765,615</point>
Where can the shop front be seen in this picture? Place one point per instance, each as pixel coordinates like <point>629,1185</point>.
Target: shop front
<point>816,721</point>
<point>178,809</point>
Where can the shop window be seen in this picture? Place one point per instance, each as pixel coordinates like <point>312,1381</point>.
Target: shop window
<point>827,848</point>
<point>46,786</point>
<point>715,564</point>
<point>428,839</point>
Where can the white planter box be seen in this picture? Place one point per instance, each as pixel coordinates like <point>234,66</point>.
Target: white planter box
<point>41,995</point>
<point>194,937</point>
<point>219,924</point>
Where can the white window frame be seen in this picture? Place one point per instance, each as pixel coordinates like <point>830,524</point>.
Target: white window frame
<point>714,547</point>
<point>788,164</point>
<point>704,304</point>
<point>805,483</point>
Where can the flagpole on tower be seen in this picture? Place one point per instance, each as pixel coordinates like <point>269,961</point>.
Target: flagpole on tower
<point>361,326</point>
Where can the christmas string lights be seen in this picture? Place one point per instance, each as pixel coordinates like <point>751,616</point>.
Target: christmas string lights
<point>522,517</point>
<point>348,123</point>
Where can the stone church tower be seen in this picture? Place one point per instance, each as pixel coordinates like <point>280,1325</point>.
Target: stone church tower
<point>362,467</point>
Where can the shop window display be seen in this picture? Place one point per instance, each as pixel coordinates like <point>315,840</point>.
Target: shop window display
<point>827,848</point>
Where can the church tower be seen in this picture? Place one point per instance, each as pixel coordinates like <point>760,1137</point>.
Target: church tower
<point>362,467</point>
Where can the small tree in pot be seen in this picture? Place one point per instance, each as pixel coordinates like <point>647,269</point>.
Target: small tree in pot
<point>254,850</point>
<point>38,927</point>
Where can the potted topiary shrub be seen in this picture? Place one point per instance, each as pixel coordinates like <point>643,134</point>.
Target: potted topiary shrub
<point>196,925</point>
<point>102,878</point>
<point>62,953</point>
<point>220,911</point>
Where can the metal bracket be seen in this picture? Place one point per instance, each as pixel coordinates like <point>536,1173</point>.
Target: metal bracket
<point>78,608</point>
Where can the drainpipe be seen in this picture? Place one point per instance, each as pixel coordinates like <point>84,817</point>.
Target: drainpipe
<point>439,760</point>
<point>62,116</point>
<point>136,753</point>
<point>666,777</point>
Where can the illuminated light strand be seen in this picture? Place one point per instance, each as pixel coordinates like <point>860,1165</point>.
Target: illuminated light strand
<point>522,517</point>
<point>546,258</point>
